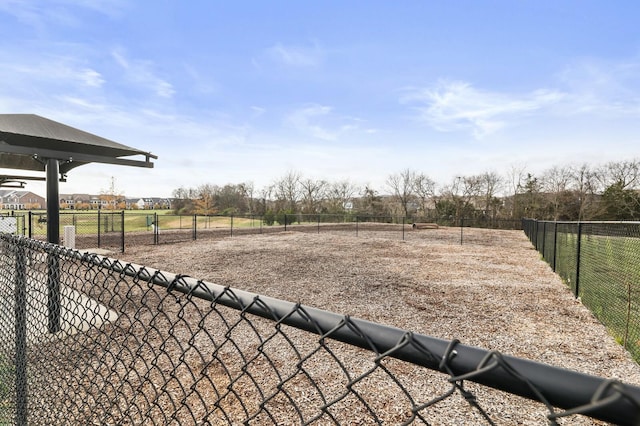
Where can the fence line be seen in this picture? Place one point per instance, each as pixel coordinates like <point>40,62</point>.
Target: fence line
<point>113,230</point>
<point>141,345</point>
<point>600,262</point>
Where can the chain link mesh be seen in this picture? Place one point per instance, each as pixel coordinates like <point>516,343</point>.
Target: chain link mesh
<point>600,261</point>
<point>85,339</point>
<point>113,230</point>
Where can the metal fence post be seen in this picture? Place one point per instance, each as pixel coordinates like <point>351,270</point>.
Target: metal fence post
<point>30,224</point>
<point>232,225</point>
<point>122,229</point>
<point>195,226</point>
<point>577,290</point>
<point>404,219</point>
<point>555,244</point>
<point>285,222</point>
<point>156,228</point>
<point>544,240</point>
<point>98,228</point>
<point>20,309</point>
<point>534,233</point>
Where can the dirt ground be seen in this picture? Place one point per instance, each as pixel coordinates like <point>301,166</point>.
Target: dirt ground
<point>493,292</point>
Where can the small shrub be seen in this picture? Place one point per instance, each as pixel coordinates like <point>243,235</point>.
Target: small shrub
<point>285,217</point>
<point>269,217</point>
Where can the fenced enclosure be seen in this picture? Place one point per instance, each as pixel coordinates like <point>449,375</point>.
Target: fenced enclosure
<point>600,262</point>
<point>86,339</point>
<point>99,229</point>
<point>114,230</point>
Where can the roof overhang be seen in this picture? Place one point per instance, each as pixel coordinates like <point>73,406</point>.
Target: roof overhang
<point>27,141</point>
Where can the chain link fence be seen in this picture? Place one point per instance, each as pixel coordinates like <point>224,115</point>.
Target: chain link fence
<point>91,229</point>
<point>114,230</point>
<point>85,339</point>
<point>600,261</point>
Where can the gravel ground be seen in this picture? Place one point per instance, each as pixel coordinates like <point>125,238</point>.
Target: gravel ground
<point>493,292</point>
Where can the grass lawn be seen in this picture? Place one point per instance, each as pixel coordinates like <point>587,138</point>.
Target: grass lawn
<point>86,222</point>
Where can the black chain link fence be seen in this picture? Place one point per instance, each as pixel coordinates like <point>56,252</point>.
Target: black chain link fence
<point>600,261</point>
<point>114,230</point>
<point>91,229</point>
<point>86,339</point>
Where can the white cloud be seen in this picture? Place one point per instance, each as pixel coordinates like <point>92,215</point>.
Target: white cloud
<point>320,122</point>
<point>296,56</point>
<point>42,14</point>
<point>84,104</point>
<point>306,120</point>
<point>141,73</point>
<point>457,105</point>
<point>91,77</point>
<point>585,88</point>
<point>257,111</point>
<point>608,88</point>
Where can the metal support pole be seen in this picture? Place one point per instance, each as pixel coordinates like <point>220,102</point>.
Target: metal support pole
<point>195,226</point>
<point>232,225</point>
<point>53,236</point>
<point>53,202</point>
<point>403,222</point>
<point>20,309</point>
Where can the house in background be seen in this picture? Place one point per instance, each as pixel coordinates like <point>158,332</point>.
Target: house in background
<point>20,200</point>
<point>75,201</point>
<point>26,200</point>
<point>149,203</point>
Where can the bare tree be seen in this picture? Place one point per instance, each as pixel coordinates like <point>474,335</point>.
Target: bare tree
<point>370,202</point>
<point>339,194</point>
<point>206,196</point>
<point>490,184</point>
<point>625,174</point>
<point>247,189</point>
<point>515,179</point>
<point>111,196</point>
<point>312,192</point>
<point>402,188</point>
<point>555,182</point>
<point>585,185</point>
<point>230,199</point>
<point>456,199</point>
<point>287,189</point>
<point>424,188</point>
<point>265,201</point>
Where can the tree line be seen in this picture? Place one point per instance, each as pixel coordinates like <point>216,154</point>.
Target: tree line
<point>610,191</point>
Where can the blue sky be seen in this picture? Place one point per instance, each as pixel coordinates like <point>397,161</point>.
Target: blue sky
<point>246,91</point>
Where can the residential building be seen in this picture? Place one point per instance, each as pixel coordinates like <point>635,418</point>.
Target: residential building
<point>20,200</point>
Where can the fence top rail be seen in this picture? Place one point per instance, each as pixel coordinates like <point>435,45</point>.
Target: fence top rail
<point>604,399</point>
